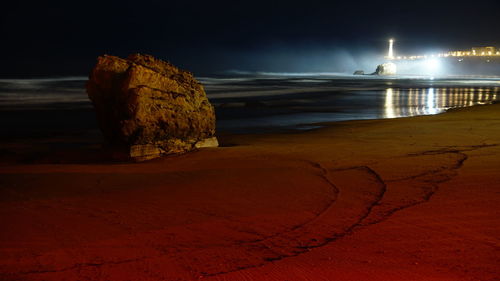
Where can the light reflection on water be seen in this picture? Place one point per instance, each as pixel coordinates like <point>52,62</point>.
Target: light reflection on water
<point>253,104</point>
<point>299,111</point>
<point>425,101</point>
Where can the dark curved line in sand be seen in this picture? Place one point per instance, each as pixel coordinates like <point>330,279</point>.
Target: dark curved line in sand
<point>83,265</point>
<point>326,240</point>
<point>323,175</point>
<point>261,243</point>
<point>336,191</point>
<point>444,150</point>
<point>360,223</point>
<point>433,183</point>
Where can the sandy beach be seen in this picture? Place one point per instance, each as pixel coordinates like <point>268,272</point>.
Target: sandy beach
<point>395,199</point>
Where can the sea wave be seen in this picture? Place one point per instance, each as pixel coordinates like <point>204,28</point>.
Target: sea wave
<point>285,99</point>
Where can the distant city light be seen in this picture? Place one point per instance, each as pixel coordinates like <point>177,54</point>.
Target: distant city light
<point>474,51</point>
<point>432,66</point>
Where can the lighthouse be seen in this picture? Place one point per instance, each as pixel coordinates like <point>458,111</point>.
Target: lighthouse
<point>387,68</point>
<point>390,54</point>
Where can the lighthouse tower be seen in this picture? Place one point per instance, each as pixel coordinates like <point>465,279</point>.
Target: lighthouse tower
<point>387,68</point>
<point>390,54</point>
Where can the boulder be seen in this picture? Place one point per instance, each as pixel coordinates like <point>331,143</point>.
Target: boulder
<point>147,107</point>
<point>387,68</point>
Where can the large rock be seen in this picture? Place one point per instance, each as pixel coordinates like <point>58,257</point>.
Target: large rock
<point>387,68</point>
<point>147,107</point>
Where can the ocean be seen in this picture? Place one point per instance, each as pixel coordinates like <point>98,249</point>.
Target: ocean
<point>252,103</point>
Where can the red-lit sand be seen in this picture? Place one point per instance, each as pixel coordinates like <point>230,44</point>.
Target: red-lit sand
<point>402,199</point>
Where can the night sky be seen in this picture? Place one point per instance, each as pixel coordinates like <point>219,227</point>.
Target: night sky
<point>64,37</point>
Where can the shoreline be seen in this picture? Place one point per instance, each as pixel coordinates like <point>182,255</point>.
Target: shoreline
<point>322,125</point>
<point>386,199</point>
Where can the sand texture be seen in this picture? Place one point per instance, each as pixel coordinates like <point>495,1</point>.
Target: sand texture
<point>396,199</point>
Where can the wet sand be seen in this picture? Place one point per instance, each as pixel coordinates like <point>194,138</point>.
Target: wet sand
<point>396,199</point>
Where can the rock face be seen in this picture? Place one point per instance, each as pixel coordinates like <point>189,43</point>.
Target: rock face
<point>147,107</point>
<point>387,68</point>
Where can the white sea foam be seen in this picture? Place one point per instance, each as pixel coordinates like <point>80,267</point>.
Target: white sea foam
<point>274,99</point>
<point>43,80</point>
<point>42,92</point>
